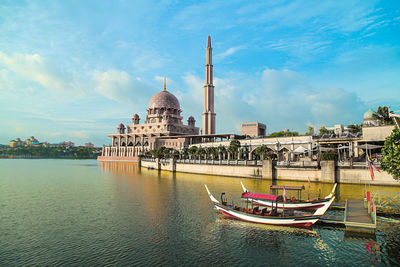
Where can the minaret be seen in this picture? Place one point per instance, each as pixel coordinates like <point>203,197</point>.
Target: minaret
<point>208,116</point>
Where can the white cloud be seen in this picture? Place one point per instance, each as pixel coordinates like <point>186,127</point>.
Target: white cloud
<point>230,51</point>
<point>280,98</point>
<point>191,99</point>
<point>120,86</point>
<point>35,68</point>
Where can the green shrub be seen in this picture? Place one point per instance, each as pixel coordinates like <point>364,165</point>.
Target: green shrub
<point>329,155</point>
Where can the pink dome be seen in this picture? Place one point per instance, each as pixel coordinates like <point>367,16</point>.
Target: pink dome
<point>136,116</point>
<point>191,118</point>
<point>121,125</point>
<point>164,99</point>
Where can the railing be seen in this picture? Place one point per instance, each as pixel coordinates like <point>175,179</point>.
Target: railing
<point>149,159</point>
<point>238,162</point>
<point>387,200</point>
<point>221,162</point>
<point>297,163</point>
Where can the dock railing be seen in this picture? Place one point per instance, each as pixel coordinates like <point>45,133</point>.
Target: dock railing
<point>369,204</point>
<point>388,201</point>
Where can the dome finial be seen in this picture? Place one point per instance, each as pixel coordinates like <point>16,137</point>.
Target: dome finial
<point>165,84</point>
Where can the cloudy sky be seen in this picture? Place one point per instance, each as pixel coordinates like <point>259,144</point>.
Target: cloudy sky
<point>73,70</point>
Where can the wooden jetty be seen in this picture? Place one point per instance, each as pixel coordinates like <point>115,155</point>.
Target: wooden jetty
<point>359,216</point>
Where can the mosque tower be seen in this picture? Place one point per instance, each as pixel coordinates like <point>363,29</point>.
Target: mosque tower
<point>208,116</point>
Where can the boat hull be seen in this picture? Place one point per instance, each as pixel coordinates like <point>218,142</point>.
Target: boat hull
<point>299,221</point>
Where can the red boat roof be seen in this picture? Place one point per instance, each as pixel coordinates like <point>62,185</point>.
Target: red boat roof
<point>287,187</point>
<point>259,196</point>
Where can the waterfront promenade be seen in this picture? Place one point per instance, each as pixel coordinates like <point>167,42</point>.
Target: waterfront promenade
<point>325,171</point>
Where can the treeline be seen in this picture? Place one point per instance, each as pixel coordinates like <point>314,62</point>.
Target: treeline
<point>231,152</point>
<point>52,152</point>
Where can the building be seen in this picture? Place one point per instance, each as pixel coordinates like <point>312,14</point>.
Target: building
<point>16,143</point>
<point>89,145</point>
<point>254,129</point>
<point>370,118</point>
<point>208,116</point>
<point>163,119</point>
<point>164,126</point>
<point>32,139</point>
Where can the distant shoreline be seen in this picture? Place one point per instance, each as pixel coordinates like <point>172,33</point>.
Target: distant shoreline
<point>41,157</point>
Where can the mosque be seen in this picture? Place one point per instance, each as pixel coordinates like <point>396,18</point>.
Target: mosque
<point>163,125</point>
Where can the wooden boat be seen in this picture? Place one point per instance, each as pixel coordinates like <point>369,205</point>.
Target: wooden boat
<point>292,203</point>
<point>269,215</point>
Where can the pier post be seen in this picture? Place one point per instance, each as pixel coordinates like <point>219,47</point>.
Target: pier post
<point>172,165</point>
<point>158,165</point>
<point>328,171</point>
<point>267,168</point>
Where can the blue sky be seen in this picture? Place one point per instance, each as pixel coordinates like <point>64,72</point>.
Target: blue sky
<point>73,70</point>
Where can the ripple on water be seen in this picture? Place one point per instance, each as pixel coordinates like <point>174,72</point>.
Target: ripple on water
<point>64,213</point>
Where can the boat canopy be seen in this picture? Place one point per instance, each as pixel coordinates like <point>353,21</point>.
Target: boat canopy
<point>287,187</point>
<point>259,196</point>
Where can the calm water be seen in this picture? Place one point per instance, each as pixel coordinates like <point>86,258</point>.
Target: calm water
<point>70,212</point>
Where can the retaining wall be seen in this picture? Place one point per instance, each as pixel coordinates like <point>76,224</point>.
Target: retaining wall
<point>329,172</point>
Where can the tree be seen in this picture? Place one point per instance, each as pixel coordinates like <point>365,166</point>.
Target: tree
<point>323,130</point>
<point>382,114</point>
<point>329,155</point>
<point>185,152</point>
<point>354,128</point>
<point>391,154</point>
<point>284,133</point>
<point>175,154</point>
<point>200,152</point>
<point>234,147</point>
<point>222,151</point>
<point>212,152</point>
<point>310,130</point>
<point>192,151</point>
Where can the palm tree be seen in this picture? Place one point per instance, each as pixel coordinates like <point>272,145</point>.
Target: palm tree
<point>192,151</point>
<point>175,154</point>
<point>262,151</point>
<point>200,152</point>
<point>210,152</point>
<point>234,147</point>
<point>185,152</point>
<point>222,151</point>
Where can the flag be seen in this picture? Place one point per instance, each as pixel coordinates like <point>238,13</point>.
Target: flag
<point>371,167</point>
<point>309,182</point>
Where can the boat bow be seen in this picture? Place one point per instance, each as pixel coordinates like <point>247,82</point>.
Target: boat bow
<point>213,199</point>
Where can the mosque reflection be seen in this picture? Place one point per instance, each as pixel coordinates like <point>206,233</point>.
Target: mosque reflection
<point>171,203</point>
<point>231,185</point>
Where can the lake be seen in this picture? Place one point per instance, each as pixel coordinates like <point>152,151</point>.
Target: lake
<point>81,212</point>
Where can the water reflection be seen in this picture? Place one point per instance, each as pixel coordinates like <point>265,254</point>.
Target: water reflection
<point>176,208</point>
<point>62,212</point>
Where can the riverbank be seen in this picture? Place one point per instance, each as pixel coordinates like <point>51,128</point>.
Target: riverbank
<point>326,171</point>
